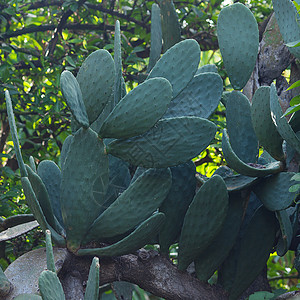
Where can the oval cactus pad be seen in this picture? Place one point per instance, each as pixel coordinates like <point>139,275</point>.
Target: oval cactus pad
<point>139,110</point>
<point>238,40</point>
<point>178,65</point>
<point>203,220</point>
<point>72,93</point>
<point>263,125</point>
<point>169,143</point>
<point>200,98</point>
<point>243,139</point>
<point>96,80</point>
<point>143,234</point>
<point>133,206</point>
<point>86,164</point>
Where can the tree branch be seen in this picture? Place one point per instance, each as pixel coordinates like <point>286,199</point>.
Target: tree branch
<point>75,27</point>
<point>152,272</point>
<point>58,30</point>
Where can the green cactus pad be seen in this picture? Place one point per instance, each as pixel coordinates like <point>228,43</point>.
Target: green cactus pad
<point>72,93</point>
<point>133,206</point>
<point>263,125</point>
<point>210,259</point>
<point>250,255</point>
<point>50,174</point>
<point>50,286</point>
<point>119,180</point>
<point>16,231</point>
<point>142,235</point>
<point>118,64</point>
<point>176,203</point>
<point>156,37</point>
<point>49,252</point>
<point>178,65</point>
<point>243,139</point>
<point>287,18</point>
<point>32,164</point>
<point>5,285</point>
<point>169,143</point>
<point>283,127</point>
<point>96,80</point>
<point>286,232</point>
<point>252,170</point>
<point>33,203</point>
<point>170,25</point>
<point>273,191</point>
<point>38,213</point>
<point>92,287</point>
<point>139,110</point>
<point>14,134</point>
<point>239,182</point>
<point>200,98</point>
<point>64,150</point>
<point>85,174</point>
<point>238,38</point>
<point>207,68</point>
<point>203,220</point>
<point>123,290</point>
<point>42,196</point>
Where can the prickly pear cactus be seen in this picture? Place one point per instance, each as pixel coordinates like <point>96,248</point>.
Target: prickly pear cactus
<point>89,196</point>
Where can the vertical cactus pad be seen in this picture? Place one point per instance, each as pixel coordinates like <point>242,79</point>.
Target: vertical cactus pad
<point>178,65</point>
<point>203,220</point>
<point>238,40</point>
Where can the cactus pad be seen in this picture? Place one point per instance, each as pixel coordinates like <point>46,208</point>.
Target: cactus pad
<point>178,65</point>
<point>210,259</point>
<point>287,18</point>
<point>239,126</point>
<point>156,37</point>
<point>81,178</point>
<point>247,169</point>
<point>169,143</point>
<point>142,235</point>
<point>263,125</point>
<point>169,23</point>
<point>203,220</point>
<point>50,174</point>
<point>139,110</point>
<point>200,98</point>
<point>72,93</point>
<point>273,191</point>
<point>133,206</point>
<point>96,80</point>
<point>283,127</point>
<point>176,203</point>
<point>92,287</point>
<point>255,245</point>
<point>238,38</point>
<point>50,286</point>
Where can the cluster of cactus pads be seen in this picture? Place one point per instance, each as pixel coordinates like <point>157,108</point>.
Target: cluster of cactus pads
<point>159,126</point>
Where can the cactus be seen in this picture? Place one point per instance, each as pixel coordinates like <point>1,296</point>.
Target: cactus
<point>237,23</point>
<point>92,206</point>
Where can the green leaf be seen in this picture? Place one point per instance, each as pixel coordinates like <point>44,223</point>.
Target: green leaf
<point>293,44</point>
<point>294,85</point>
<point>291,110</point>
